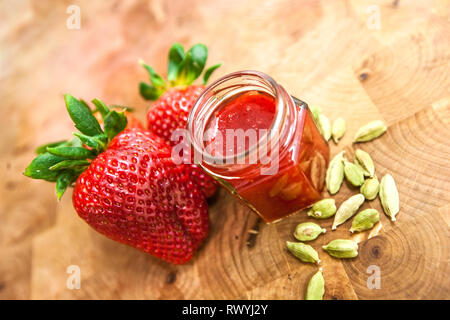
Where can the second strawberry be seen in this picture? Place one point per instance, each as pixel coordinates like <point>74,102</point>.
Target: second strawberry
<point>176,97</point>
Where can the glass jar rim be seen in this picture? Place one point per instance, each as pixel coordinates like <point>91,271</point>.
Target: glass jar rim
<point>272,132</point>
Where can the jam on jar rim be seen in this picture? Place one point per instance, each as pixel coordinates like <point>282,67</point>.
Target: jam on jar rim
<point>208,103</point>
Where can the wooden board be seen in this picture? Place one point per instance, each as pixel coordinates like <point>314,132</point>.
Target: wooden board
<point>329,53</point>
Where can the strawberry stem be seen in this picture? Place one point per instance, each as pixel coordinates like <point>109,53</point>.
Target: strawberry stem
<point>183,69</point>
<point>62,162</point>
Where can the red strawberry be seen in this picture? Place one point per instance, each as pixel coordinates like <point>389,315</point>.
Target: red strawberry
<point>126,185</point>
<point>171,110</point>
<point>176,99</point>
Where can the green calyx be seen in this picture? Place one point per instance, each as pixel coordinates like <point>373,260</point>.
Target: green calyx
<point>63,161</point>
<point>183,69</point>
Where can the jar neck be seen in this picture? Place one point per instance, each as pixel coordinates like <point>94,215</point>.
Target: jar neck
<point>280,134</point>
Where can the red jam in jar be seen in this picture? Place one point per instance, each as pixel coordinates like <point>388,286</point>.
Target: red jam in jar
<point>260,143</point>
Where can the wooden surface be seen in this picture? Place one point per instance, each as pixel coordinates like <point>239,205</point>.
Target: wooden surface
<point>324,52</point>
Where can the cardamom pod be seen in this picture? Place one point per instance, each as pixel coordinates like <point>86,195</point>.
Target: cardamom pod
<point>365,220</point>
<point>389,196</point>
<point>291,191</point>
<point>347,209</point>
<point>315,111</point>
<point>370,188</point>
<point>279,185</point>
<point>308,231</point>
<point>353,174</point>
<point>370,131</point>
<point>318,171</point>
<point>338,129</point>
<point>323,209</point>
<point>316,287</point>
<point>365,161</point>
<point>365,172</point>
<point>335,173</point>
<point>304,252</point>
<point>342,248</point>
<point>324,127</point>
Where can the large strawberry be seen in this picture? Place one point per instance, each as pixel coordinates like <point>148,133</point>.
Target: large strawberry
<point>126,185</point>
<point>176,97</point>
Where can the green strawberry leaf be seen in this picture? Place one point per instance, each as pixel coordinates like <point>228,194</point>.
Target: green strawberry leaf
<point>183,69</point>
<point>155,78</point>
<point>69,164</point>
<point>193,63</point>
<point>72,153</point>
<point>85,103</point>
<point>43,148</point>
<point>115,122</point>
<point>63,181</point>
<point>100,107</point>
<point>39,168</point>
<point>82,116</point>
<point>176,57</point>
<point>148,92</point>
<point>209,71</point>
<point>98,143</point>
<point>76,142</point>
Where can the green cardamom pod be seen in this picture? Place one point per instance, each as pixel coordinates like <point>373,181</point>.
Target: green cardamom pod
<point>365,220</point>
<point>338,129</point>
<point>365,161</point>
<point>304,252</point>
<point>315,111</point>
<point>324,127</point>
<point>365,172</point>
<point>389,196</point>
<point>370,188</point>
<point>370,131</point>
<point>308,231</point>
<point>342,248</point>
<point>353,174</point>
<point>323,209</point>
<point>347,209</point>
<point>316,287</point>
<point>335,173</point>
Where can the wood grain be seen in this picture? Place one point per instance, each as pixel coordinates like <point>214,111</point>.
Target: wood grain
<point>323,52</point>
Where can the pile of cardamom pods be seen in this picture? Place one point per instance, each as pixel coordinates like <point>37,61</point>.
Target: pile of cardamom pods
<point>361,174</point>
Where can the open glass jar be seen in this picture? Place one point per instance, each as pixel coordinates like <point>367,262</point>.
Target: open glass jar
<point>260,143</point>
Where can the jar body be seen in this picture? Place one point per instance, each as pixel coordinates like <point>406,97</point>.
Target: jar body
<point>300,178</point>
<point>301,157</point>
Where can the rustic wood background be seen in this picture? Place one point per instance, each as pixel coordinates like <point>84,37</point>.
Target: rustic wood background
<point>328,53</point>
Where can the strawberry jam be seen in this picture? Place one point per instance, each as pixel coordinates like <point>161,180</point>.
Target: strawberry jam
<point>250,111</point>
<point>260,143</point>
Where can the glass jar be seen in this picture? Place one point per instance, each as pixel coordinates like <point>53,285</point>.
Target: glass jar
<point>278,173</point>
